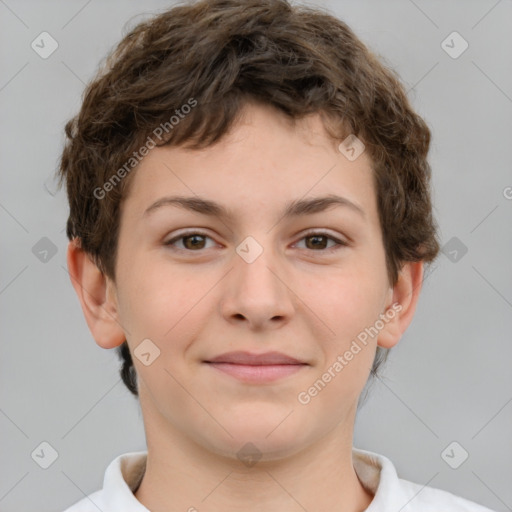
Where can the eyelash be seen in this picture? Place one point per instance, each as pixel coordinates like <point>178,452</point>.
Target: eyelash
<point>340,243</point>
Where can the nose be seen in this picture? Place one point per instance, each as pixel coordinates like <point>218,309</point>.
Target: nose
<point>257,291</point>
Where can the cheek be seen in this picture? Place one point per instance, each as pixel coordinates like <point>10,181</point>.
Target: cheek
<point>349,304</point>
<point>152,299</point>
<point>346,299</point>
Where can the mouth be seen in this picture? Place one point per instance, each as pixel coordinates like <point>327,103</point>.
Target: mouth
<point>256,368</point>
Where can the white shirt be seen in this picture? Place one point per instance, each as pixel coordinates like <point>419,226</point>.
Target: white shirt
<point>376,472</point>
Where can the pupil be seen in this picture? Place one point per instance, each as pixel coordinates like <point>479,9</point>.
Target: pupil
<point>315,244</point>
<point>194,237</point>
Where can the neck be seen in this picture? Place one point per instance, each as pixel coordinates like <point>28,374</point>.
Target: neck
<point>183,476</point>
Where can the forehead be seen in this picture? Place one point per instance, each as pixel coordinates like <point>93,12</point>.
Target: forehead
<point>265,160</point>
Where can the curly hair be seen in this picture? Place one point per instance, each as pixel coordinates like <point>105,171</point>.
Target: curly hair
<point>224,53</point>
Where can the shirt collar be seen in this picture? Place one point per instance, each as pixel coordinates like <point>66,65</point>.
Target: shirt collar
<point>122,478</point>
<point>378,475</point>
<point>375,472</point>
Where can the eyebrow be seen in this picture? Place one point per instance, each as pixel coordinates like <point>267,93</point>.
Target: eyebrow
<point>295,208</point>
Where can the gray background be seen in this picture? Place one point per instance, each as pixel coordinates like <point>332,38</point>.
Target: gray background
<point>448,380</point>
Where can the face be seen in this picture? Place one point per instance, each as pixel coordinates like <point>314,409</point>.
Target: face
<point>200,283</point>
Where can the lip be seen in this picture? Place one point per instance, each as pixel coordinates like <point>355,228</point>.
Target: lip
<point>248,358</point>
<point>256,368</point>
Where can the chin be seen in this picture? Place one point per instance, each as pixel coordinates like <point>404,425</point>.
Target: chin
<point>260,440</point>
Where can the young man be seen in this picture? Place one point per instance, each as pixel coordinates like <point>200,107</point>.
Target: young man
<point>249,218</point>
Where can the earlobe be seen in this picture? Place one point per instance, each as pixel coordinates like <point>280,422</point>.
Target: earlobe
<point>401,307</point>
<point>95,292</point>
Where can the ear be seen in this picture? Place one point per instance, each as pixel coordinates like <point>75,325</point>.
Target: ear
<point>401,304</point>
<point>97,295</point>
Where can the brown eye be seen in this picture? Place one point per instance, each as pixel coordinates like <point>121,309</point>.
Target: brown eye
<point>189,241</point>
<point>316,241</point>
<point>194,241</point>
<point>319,242</point>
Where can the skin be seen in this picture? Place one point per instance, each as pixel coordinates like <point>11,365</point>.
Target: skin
<point>296,297</point>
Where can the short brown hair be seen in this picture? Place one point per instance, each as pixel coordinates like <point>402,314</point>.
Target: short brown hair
<point>224,53</point>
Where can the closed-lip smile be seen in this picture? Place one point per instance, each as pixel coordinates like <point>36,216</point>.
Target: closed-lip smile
<point>256,368</point>
<point>267,358</point>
